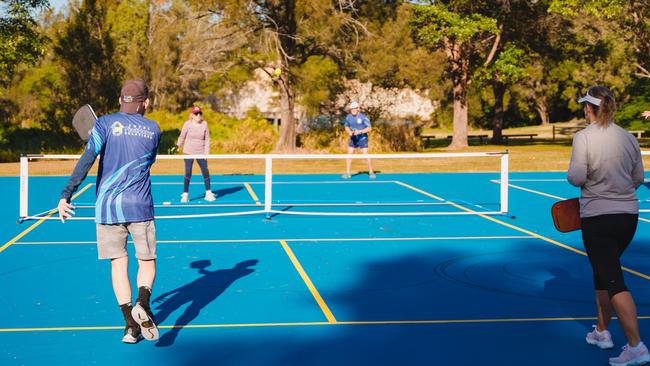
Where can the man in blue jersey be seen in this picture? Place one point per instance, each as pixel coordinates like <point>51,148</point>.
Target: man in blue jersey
<point>357,125</point>
<point>127,144</point>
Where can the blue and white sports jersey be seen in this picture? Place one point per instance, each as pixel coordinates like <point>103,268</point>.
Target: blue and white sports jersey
<point>358,122</point>
<point>127,145</point>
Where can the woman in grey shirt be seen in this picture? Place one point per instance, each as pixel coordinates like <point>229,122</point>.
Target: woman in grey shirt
<point>606,164</point>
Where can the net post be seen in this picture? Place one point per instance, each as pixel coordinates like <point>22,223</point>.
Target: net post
<point>268,181</point>
<point>24,186</point>
<point>504,183</point>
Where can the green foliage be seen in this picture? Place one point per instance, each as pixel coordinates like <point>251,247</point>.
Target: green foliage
<point>436,24</point>
<point>629,113</point>
<point>15,141</point>
<point>318,82</point>
<point>252,134</point>
<point>222,83</point>
<point>509,67</point>
<point>86,52</point>
<point>406,65</point>
<point>20,40</point>
<point>128,25</point>
<point>385,137</point>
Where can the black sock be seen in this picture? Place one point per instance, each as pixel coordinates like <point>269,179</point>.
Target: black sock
<point>126,312</point>
<point>144,293</point>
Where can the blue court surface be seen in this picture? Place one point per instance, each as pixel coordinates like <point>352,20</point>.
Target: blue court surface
<point>318,290</point>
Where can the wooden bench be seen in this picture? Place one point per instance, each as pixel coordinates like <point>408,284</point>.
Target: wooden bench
<point>426,139</point>
<point>567,130</point>
<point>507,137</point>
<point>479,137</point>
<point>571,130</point>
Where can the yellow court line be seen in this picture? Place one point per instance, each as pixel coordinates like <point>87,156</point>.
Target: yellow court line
<point>37,223</point>
<point>546,194</point>
<point>310,285</point>
<point>303,324</point>
<point>549,240</point>
<point>308,240</point>
<point>530,190</point>
<point>252,193</point>
<point>419,190</point>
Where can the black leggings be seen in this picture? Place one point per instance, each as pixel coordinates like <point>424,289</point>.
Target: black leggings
<point>605,238</point>
<point>203,164</point>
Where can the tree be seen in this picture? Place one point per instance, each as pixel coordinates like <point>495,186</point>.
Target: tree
<point>284,34</point>
<point>469,41</point>
<point>20,41</point>
<point>631,16</point>
<point>86,53</point>
<point>507,69</point>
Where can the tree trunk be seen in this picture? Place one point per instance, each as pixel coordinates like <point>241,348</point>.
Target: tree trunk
<point>460,78</point>
<point>541,105</point>
<point>459,138</point>
<point>499,90</point>
<point>287,141</point>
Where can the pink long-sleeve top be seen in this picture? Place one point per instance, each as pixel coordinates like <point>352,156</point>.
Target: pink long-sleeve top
<point>195,138</point>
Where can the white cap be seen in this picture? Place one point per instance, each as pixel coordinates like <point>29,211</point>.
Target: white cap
<point>590,99</point>
<point>353,105</point>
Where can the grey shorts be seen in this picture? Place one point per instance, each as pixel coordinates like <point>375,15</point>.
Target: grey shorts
<point>111,240</point>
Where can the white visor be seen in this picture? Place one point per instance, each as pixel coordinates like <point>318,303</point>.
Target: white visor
<point>589,99</point>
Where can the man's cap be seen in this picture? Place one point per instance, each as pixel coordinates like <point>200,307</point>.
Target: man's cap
<point>134,93</point>
<point>353,105</point>
<point>590,99</point>
<point>196,110</point>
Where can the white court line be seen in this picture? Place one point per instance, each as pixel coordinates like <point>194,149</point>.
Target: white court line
<point>216,241</point>
<point>558,197</point>
<point>292,182</point>
<point>532,180</point>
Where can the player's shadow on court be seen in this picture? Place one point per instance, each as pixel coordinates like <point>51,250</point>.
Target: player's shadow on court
<point>198,294</point>
<point>219,193</point>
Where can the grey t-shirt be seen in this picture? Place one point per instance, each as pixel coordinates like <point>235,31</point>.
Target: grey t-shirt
<point>606,164</point>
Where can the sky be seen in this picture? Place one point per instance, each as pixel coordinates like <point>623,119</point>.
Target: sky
<point>58,4</point>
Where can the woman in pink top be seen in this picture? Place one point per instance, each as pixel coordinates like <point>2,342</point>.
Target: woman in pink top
<point>195,138</point>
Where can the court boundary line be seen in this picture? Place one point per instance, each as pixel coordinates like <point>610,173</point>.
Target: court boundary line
<point>310,285</point>
<point>544,238</point>
<point>546,194</point>
<point>296,240</point>
<point>252,194</point>
<point>37,223</point>
<point>302,324</point>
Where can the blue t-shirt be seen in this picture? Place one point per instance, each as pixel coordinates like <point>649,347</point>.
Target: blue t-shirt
<point>128,144</point>
<point>357,123</point>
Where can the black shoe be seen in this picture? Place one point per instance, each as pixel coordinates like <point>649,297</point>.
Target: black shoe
<point>143,316</point>
<point>132,334</point>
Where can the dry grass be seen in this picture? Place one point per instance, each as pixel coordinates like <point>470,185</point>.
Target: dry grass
<point>547,157</point>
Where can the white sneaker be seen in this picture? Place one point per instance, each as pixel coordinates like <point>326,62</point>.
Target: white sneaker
<point>185,197</point>
<point>631,356</point>
<point>602,340</point>
<point>209,196</point>
<point>144,318</point>
<point>131,335</point>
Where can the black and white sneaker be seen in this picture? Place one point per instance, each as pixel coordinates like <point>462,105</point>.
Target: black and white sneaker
<point>144,318</point>
<point>131,334</point>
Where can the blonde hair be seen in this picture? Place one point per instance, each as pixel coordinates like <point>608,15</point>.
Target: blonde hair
<point>605,112</point>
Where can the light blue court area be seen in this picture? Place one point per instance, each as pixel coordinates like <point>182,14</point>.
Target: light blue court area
<point>318,289</point>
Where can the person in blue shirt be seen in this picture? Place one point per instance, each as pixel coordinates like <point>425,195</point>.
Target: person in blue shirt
<point>127,144</point>
<point>357,125</point>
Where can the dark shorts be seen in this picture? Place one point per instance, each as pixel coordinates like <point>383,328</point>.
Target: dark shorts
<point>359,141</point>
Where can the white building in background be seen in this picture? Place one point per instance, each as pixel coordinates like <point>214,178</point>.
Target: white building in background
<point>393,103</point>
